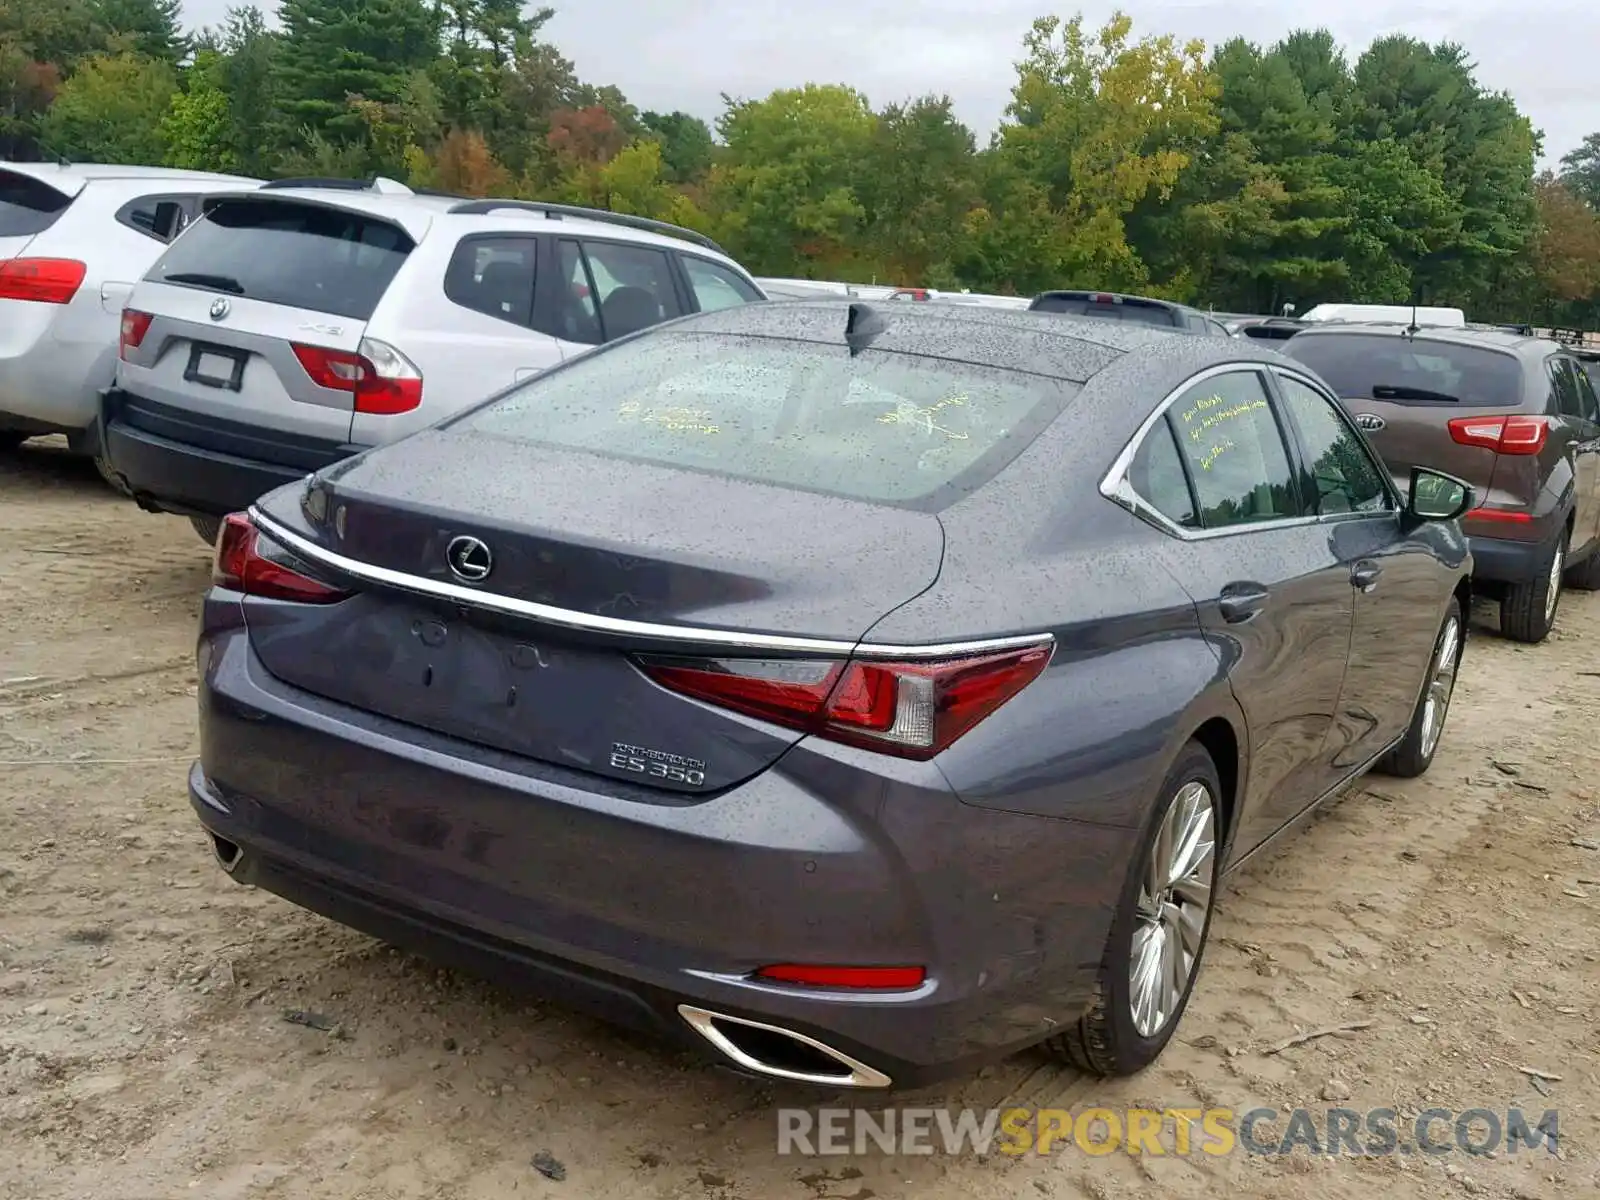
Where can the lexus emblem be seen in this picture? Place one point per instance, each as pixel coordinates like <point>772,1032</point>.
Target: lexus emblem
<point>1370,421</point>
<point>469,559</point>
<point>219,308</point>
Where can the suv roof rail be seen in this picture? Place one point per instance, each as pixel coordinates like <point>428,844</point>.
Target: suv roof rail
<point>378,183</point>
<point>556,212</point>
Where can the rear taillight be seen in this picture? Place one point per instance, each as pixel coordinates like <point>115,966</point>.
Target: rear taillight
<point>135,325</point>
<point>910,709</point>
<point>244,562</point>
<point>1503,435</point>
<point>43,280</point>
<point>382,380</point>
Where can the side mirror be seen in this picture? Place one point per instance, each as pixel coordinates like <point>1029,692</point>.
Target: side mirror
<point>1436,496</point>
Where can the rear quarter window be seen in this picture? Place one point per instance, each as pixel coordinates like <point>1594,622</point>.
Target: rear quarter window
<point>885,427</point>
<point>301,255</point>
<point>28,206</point>
<point>1375,366</point>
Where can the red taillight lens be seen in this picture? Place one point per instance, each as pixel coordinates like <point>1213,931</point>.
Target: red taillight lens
<point>881,978</point>
<point>910,709</point>
<point>243,563</point>
<point>43,280</point>
<point>135,325</point>
<point>382,380</point>
<point>1503,435</point>
<point>1507,516</point>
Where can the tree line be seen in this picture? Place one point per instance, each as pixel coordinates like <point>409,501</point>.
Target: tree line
<point>1240,178</point>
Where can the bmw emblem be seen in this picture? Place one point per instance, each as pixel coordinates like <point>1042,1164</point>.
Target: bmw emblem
<point>219,308</point>
<point>469,559</point>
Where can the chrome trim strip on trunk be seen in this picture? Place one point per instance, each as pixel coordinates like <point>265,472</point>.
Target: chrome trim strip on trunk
<point>644,630</point>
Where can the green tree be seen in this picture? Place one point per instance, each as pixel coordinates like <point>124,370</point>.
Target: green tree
<point>110,110</point>
<point>153,28</point>
<point>687,147</point>
<point>333,50</point>
<point>1580,171</point>
<point>198,125</point>
<point>919,190</point>
<point>248,77</point>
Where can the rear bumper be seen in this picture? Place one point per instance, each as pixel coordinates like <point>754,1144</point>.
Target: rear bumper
<point>183,463</point>
<point>628,909</point>
<point>1502,560</point>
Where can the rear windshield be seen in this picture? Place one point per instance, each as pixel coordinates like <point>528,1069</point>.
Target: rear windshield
<point>1114,310</point>
<point>27,206</point>
<point>886,427</point>
<point>1375,366</point>
<point>295,254</point>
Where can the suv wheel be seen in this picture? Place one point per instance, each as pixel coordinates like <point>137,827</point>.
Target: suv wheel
<point>1528,611</point>
<point>207,528</point>
<point>1158,934</point>
<point>1586,575</point>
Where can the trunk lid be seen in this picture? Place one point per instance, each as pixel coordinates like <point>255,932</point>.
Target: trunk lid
<point>636,543</point>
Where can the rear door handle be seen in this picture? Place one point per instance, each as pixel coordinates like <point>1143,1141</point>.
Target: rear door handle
<point>1365,575</point>
<point>1241,601</point>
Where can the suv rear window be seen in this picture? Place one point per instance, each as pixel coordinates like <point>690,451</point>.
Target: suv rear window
<point>1378,366</point>
<point>302,255</point>
<point>1116,308</point>
<point>887,427</point>
<point>27,206</point>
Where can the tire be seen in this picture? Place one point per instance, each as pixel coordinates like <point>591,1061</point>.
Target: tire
<point>1528,612</point>
<point>1109,1039</point>
<point>1414,755</point>
<point>112,479</point>
<point>1585,577</point>
<point>10,439</point>
<point>207,528</point>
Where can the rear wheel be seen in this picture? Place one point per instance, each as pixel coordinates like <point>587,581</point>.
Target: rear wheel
<point>1528,612</point>
<point>1159,932</point>
<point>115,481</point>
<point>1586,575</point>
<point>207,528</point>
<point>1414,754</point>
<point>10,439</point>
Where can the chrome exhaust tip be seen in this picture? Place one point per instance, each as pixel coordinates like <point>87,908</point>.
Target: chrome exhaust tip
<point>780,1053</point>
<point>227,854</point>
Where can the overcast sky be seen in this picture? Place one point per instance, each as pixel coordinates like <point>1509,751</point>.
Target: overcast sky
<point>682,54</point>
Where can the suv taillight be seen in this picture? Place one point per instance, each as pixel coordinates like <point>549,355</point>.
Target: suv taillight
<point>242,563</point>
<point>42,280</point>
<point>1503,435</point>
<point>908,709</point>
<point>135,325</point>
<point>382,380</point>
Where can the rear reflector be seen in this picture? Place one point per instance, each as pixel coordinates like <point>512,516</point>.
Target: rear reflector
<point>1506,516</point>
<point>42,280</point>
<point>909,709</point>
<point>246,562</point>
<point>382,380</point>
<point>135,325</point>
<point>880,978</point>
<point>1503,435</point>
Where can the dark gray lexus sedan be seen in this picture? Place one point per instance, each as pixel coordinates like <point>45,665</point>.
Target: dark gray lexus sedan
<point>856,693</point>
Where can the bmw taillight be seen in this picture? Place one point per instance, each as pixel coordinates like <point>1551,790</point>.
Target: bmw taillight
<point>911,709</point>
<point>1515,434</point>
<point>382,380</point>
<point>42,280</point>
<point>135,325</point>
<point>246,562</point>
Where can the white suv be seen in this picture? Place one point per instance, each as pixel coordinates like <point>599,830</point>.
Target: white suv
<point>300,323</point>
<point>73,240</point>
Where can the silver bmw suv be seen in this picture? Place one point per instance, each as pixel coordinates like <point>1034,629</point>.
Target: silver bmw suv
<point>300,323</point>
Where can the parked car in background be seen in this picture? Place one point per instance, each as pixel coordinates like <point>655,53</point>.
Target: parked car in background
<point>299,324</point>
<point>1589,361</point>
<point>1399,314</point>
<point>1515,416</point>
<point>858,691</point>
<point>1113,306</point>
<point>1264,329</point>
<point>74,238</point>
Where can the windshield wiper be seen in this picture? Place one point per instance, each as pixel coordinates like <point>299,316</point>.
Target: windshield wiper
<point>218,283</point>
<point>1399,391</point>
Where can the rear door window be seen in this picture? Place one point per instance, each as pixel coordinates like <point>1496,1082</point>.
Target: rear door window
<point>894,428</point>
<point>633,287</point>
<point>1157,477</point>
<point>28,206</point>
<point>494,276</point>
<point>1229,437</point>
<point>1403,370</point>
<point>305,256</point>
<point>1586,390</point>
<point>1566,398</point>
<point>715,286</point>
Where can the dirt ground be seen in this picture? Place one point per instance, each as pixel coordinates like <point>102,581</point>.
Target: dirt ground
<point>145,1054</point>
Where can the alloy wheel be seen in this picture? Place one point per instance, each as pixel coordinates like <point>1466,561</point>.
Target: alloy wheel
<point>1441,686</point>
<point>1553,591</point>
<point>1174,902</point>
